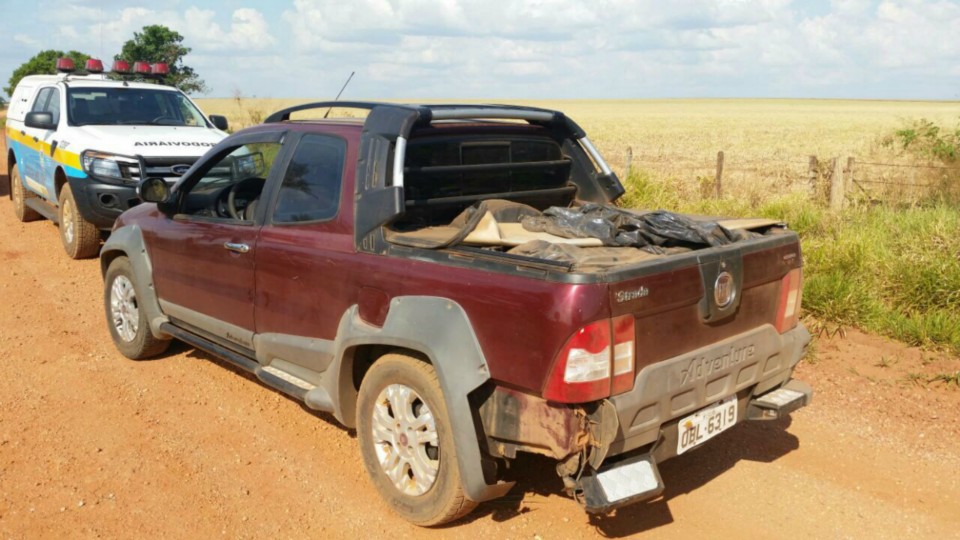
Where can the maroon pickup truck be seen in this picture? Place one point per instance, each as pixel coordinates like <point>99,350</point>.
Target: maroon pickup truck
<point>457,283</point>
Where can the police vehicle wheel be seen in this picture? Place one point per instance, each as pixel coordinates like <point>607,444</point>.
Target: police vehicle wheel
<point>406,441</point>
<point>126,318</point>
<point>81,239</point>
<point>20,195</point>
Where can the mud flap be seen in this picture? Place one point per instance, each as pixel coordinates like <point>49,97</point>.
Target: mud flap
<point>619,484</point>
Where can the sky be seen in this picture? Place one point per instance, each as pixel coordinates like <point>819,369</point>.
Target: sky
<point>525,49</point>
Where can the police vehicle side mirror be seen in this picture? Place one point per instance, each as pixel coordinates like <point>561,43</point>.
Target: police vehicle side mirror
<point>153,190</point>
<point>219,122</point>
<point>40,120</point>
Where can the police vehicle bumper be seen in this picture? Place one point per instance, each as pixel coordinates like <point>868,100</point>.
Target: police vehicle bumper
<point>99,202</point>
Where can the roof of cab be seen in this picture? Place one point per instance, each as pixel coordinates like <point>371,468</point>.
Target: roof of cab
<point>91,81</point>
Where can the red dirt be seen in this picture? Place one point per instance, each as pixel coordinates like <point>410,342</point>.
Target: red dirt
<point>94,445</point>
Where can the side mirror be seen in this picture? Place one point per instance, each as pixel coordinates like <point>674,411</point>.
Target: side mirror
<point>153,190</point>
<point>40,120</point>
<point>219,122</point>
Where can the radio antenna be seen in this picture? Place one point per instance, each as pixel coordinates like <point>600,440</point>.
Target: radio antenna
<point>340,92</point>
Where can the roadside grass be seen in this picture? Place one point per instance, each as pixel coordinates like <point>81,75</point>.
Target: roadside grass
<point>890,271</point>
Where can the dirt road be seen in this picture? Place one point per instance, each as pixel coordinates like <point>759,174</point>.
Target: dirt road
<point>95,446</point>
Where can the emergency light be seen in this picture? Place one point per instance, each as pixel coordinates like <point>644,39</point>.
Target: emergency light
<point>160,69</point>
<point>121,66</point>
<point>65,65</point>
<point>141,68</point>
<point>94,66</point>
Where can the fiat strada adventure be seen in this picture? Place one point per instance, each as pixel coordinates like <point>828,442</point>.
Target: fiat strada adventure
<point>78,144</point>
<point>457,284</point>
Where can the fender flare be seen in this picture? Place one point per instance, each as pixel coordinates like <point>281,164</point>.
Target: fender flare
<point>440,329</point>
<point>128,242</point>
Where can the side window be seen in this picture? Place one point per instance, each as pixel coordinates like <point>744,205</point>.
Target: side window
<point>53,105</point>
<point>311,186</point>
<point>48,100</point>
<point>231,187</point>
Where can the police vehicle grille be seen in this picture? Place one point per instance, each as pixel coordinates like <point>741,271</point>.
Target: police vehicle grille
<point>157,167</point>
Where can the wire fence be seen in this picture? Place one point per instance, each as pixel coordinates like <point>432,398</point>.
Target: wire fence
<point>834,181</point>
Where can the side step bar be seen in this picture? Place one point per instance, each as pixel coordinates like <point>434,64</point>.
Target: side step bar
<point>779,402</point>
<point>315,397</point>
<point>619,484</point>
<point>43,208</point>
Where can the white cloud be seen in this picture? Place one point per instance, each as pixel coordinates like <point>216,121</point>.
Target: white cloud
<point>540,48</point>
<point>248,30</point>
<point>24,39</point>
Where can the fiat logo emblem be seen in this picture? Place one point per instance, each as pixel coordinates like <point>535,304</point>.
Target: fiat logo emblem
<point>724,290</point>
<point>179,169</point>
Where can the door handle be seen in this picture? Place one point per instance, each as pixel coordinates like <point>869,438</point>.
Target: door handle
<point>236,247</point>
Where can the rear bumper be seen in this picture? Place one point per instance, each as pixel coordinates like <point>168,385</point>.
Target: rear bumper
<point>744,365</point>
<point>101,203</point>
<point>623,438</point>
<point>635,477</point>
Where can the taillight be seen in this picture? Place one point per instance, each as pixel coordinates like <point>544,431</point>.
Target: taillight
<point>623,354</point>
<point>593,356</point>
<point>790,293</point>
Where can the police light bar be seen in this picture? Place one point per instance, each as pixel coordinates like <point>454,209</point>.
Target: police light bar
<point>65,65</point>
<point>94,66</point>
<point>121,66</point>
<point>141,68</point>
<point>160,69</point>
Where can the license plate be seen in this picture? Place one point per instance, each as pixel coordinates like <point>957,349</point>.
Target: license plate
<point>706,424</point>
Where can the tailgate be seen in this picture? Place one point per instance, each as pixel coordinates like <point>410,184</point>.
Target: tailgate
<point>703,332</point>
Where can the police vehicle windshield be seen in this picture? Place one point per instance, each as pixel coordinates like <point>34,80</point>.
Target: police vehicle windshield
<point>131,106</point>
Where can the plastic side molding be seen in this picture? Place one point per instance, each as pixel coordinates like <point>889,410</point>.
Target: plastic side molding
<point>441,330</point>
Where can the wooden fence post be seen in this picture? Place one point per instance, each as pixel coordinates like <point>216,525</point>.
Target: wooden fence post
<point>629,160</point>
<point>813,172</point>
<point>850,178</point>
<point>719,181</point>
<point>836,186</point>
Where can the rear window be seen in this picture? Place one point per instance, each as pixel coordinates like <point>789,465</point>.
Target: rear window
<point>469,166</point>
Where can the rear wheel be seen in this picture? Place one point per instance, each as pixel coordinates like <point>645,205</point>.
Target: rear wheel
<point>127,320</point>
<point>406,441</point>
<point>81,239</point>
<point>20,195</point>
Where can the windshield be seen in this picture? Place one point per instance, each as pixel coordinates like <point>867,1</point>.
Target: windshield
<point>131,106</point>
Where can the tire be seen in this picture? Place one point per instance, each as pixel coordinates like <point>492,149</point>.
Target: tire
<point>413,386</point>
<point>128,324</point>
<point>20,194</point>
<point>81,239</point>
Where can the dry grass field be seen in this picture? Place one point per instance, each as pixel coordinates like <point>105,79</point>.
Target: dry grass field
<point>698,128</point>
<point>766,142</point>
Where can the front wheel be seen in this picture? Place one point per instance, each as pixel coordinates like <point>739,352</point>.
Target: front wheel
<point>406,441</point>
<point>126,318</point>
<point>81,239</point>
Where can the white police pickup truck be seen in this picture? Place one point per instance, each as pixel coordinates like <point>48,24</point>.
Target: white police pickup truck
<point>77,145</point>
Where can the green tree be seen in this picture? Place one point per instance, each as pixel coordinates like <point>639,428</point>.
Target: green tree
<point>157,43</point>
<point>44,62</point>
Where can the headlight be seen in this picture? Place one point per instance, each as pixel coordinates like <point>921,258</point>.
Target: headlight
<point>104,165</point>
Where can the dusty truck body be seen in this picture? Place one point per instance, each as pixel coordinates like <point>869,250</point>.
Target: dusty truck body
<point>441,260</point>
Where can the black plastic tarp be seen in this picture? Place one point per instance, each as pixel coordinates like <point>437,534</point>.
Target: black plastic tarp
<point>620,227</point>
